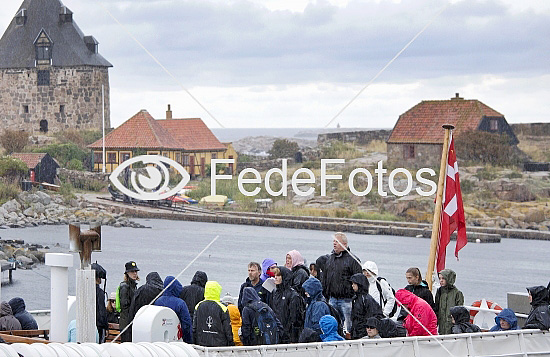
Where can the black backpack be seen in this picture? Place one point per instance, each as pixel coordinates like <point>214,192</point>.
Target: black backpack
<point>334,313</point>
<point>379,286</point>
<point>266,330</point>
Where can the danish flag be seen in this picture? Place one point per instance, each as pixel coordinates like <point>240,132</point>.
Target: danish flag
<point>452,215</point>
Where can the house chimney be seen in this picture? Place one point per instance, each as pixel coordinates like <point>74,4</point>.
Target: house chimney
<point>457,97</point>
<point>169,113</point>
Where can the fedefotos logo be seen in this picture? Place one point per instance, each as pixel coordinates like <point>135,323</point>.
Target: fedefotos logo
<point>155,184</point>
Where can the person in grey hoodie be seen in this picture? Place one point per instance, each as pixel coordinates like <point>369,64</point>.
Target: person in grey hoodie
<point>8,322</point>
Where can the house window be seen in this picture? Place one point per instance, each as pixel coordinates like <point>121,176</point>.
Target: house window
<point>124,156</point>
<point>62,109</point>
<point>43,78</point>
<point>25,109</point>
<point>111,158</point>
<point>98,157</point>
<point>178,157</point>
<point>214,155</point>
<point>493,125</point>
<point>185,160</point>
<point>408,151</point>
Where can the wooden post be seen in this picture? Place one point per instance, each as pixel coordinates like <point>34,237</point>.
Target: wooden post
<point>438,203</point>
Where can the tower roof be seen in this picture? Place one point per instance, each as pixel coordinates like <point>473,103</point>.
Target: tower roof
<point>70,48</point>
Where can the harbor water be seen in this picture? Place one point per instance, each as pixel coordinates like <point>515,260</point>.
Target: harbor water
<point>483,271</point>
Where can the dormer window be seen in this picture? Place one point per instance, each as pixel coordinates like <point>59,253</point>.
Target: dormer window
<point>21,17</point>
<point>91,43</point>
<point>65,15</point>
<point>43,46</point>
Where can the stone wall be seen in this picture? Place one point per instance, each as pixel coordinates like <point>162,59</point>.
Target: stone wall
<point>425,155</point>
<point>78,89</point>
<point>531,129</point>
<point>92,181</point>
<point>357,137</point>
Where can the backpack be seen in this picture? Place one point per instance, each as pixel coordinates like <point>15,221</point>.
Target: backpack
<point>334,313</point>
<point>266,330</point>
<point>379,286</point>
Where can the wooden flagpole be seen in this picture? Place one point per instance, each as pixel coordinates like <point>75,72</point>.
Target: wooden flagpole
<point>438,203</point>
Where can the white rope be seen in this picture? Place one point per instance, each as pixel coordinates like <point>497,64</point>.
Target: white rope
<point>387,65</point>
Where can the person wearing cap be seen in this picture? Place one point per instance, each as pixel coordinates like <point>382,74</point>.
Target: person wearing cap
<point>373,325</point>
<point>126,291</point>
<point>100,311</point>
<point>112,314</point>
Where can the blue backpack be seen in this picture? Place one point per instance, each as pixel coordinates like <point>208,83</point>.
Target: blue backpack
<point>266,330</point>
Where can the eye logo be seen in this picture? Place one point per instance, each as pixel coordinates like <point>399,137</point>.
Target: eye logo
<point>154,186</point>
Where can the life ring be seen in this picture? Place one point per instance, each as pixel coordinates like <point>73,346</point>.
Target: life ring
<point>477,303</point>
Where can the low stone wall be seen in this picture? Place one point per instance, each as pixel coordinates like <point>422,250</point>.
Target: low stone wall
<point>531,129</point>
<point>357,137</point>
<point>91,181</point>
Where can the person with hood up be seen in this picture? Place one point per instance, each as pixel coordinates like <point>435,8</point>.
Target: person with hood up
<point>288,306</point>
<point>145,294</point>
<point>194,293</point>
<point>419,287</point>
<point>505,320</point>
<point>300,273</point>
<point>539,317</point>
<point>171,298</point>
<point>251,335</point>
<point>8,322</point>
<point>329,327</point>
<point>379,288</point>
<point>363,306</point>
<point>373,328</point>
<point>211,321</point>
<point>460,317</point>
<point>317,306</point>
<point>254,281</point>
<point>446,297</point>
<point>25,318</point>
<point>125,296</point>
<point>267,269</point>
<point>234,316</point>
<point>420,309</point>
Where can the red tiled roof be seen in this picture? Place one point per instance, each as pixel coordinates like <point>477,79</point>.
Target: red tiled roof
<point>143,131</point>
<point>422,123</point>
<point>30,159</point>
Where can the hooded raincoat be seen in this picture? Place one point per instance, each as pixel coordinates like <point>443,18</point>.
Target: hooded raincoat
<point>170,298</point>
<point>266,264</point>
<point>446,297</point>
<point>194,293</point>
<point>539,317</point>
<point>25,318</point>
<point>211,322</point>
<point>317,306</point>
<point>379,289</point>
<point>289,307</point>
<point>421,310</point>
<point>8,322</point>
<point>507,315</point>
<point>462,321</point>
<point>300,272</point>
<point>145,294</point>
<point>329,327</point>
<point>363,306</point>
<point>253,303</point>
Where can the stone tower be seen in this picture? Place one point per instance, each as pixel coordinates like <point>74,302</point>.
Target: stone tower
<point>51,75</point>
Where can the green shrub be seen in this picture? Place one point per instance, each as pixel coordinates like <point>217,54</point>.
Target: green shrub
<point>8,191</point>
<point>75,164</point>
<point>514,175</point>
<point>283,148</point>
<point>467,186</point>
<point>14,140</point>
<point>486,148</point>
<point>12,169</point>
<point>486,174</point>
<point>340,150</point>
<point>66,190</point>
<point>64,153</point>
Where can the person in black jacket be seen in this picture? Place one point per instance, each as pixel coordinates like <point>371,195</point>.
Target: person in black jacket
<point>255,281</point>
<point>363,306</point>
<point>419,287</point>
<point>25,318</point>
<point>288,305</point>
<point>194,293</point>
<point>126,295</point>
<point>300,273</point>
<point>100,311</point>
<point>211,321</point>
<point>539,317</point>
<point>146,294</point>
<point>461,321</point>
<point>339,268</point>
<point>250,330</point>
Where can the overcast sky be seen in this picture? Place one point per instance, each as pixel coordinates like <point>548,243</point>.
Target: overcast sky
<point>296,63</point>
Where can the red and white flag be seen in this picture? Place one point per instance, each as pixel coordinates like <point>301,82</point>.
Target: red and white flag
<point>452,214</point>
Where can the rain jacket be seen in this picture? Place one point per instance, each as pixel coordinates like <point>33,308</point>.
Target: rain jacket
<point>100,312</point>
<point>507,315</point>
<point>421,310</point>
<point>363,306</point>
<point>194,293</point>
<point>422,290</point>
<point>211,321</point>
<point>170,298</point>
<point>126,293</point>
<point>375,283</point>
<point>264,295</point>
<point>320,266</point>
<point>8,322</point>
<point>265,265</point>
<point>329,327</point>
<point>25,318</point>
<point>316,304</point>
<point>446,297</point>
<point>145,294</point>
<point>389,328</point>
<point>300,272</point>
<point>539,317</point>
<point>236,323</point>
<point>289,307</point>
<point>337,273</point>
<point>462,321</point>
<point>252,303</point>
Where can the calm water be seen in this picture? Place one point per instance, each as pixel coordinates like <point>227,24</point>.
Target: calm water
<point>484,270</point>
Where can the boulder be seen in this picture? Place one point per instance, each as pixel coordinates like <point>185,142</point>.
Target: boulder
<point>12,206</point>
<point>44,198</point>
<point>507,190</point>
<point>535,216</point>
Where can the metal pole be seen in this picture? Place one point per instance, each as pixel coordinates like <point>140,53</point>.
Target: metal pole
<point>438,203</point>
<point>103,121</point>
<point>60,264</point>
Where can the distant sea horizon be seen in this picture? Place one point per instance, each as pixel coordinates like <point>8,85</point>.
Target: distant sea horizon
<point>234,134</point>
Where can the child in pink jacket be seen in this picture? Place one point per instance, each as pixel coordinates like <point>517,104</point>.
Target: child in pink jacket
<point>421,310</point>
